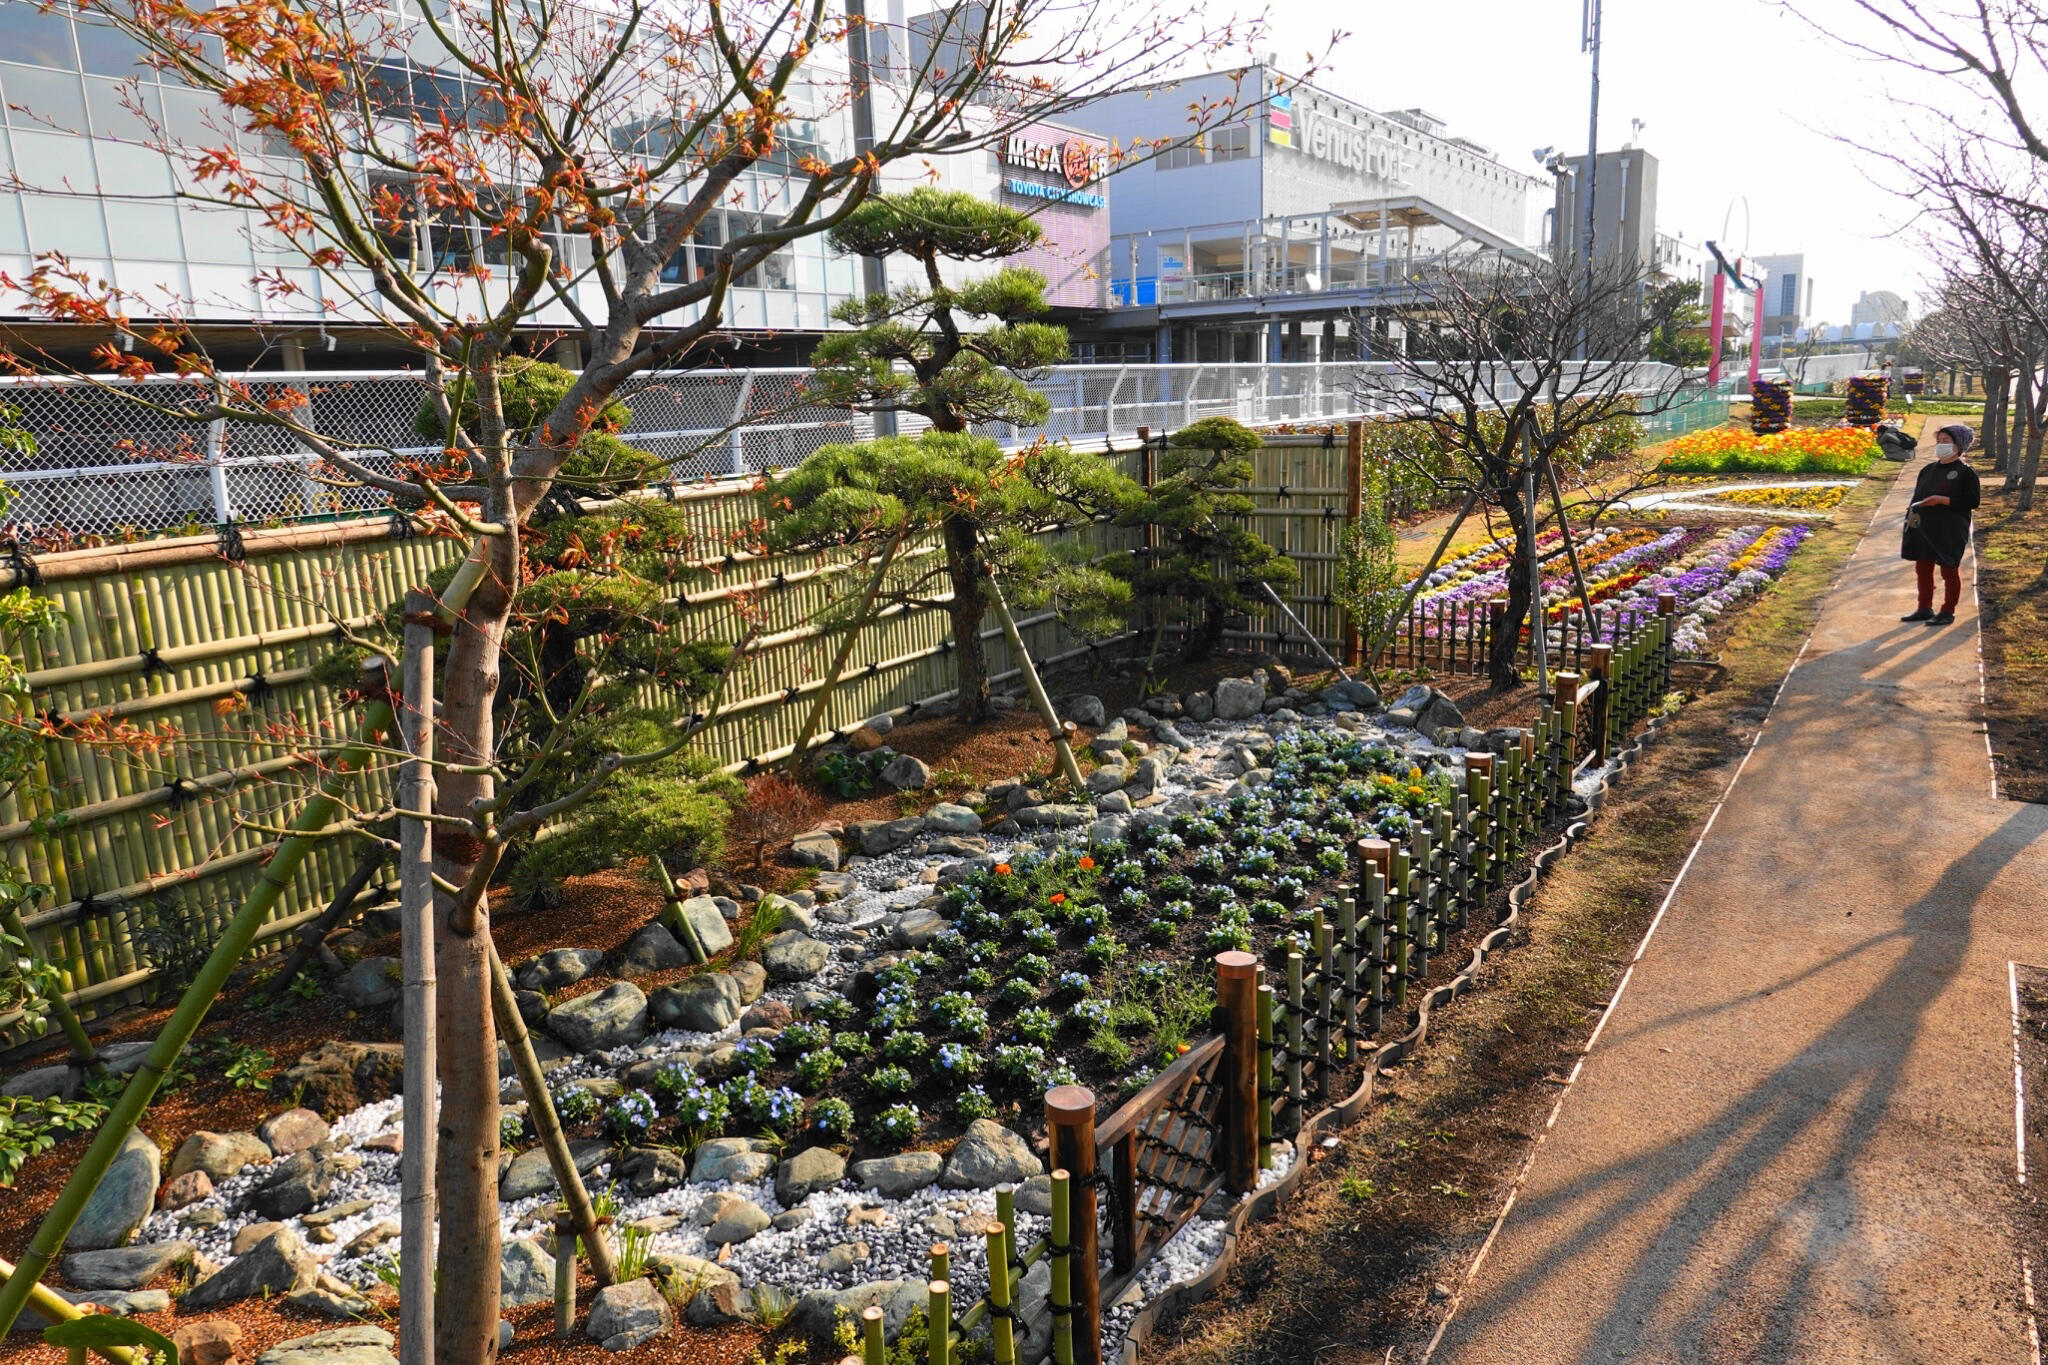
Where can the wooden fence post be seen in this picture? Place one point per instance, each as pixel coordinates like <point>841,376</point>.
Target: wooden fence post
<point>1237,994</point>
<point>1354,508</point>
<point>1070,1125</point>
<point>1600,663</point>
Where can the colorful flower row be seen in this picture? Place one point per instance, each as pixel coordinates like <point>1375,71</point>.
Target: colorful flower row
<point>1806,450</point>
<point>1811,498</point>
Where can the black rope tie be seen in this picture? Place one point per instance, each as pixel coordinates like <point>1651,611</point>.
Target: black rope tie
<point>26,574</point>
<point>1329,440</point>
<point>151,660</point>
<point>401,527</point>
<point>258,687</point>
<point>180,792</point>
<point>231,547</point>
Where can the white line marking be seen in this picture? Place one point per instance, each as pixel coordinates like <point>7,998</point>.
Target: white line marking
<point>2019,1084</point>
<point>2033,1317</point>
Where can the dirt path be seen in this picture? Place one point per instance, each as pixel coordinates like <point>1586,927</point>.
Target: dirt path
<point>1792,1139</point>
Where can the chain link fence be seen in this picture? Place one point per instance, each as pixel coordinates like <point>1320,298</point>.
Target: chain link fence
<point>108,462</point>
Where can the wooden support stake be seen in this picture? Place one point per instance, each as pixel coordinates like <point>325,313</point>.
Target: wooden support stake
<point>565,1276</point>
<point>1354,508</point>
<point>1070,1124</point>
<point>1123,1234</point>
<point>1237,994</point>
<point>417,1178</point>
<point>1600,664</point>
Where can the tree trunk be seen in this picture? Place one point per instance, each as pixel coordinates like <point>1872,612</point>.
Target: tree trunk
<point>964,565</point>
<point>1501,669</point>
<point>2033,466</point>
<point>1997,383</point>
<point>466,1307</point>
<point>2015,438</point>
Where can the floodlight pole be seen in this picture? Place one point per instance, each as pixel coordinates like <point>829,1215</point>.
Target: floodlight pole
<point>861,71</point>
<point>1589,41</point>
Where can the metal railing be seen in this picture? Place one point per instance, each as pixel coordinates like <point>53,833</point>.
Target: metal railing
<point>106,464</point>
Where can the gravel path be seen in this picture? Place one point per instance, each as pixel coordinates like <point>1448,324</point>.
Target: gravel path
<point>1793,1139</point>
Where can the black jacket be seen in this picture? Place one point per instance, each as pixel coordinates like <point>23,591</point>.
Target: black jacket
<point>1944,532</point>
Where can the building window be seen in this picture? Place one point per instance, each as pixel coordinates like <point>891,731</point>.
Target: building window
<point>1230,144</point>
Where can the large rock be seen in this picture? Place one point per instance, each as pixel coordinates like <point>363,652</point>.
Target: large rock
<point>813,1169</point>
<point>559,967</point>
<point>917,928</point>
<point>1440,712</point>
<point>358,1345</point>
<point>752,979</point>
<point>906,772</point>
<point>714,935</point>
<point>1351,694</point>
<point>124,1197</point>
<point>291,1132</point>
<point>1054,817</point>
<point>372,984</point>
<point>651,1170</point>
<point>614,1017</point>
<point>1146,776</point>
<point>879,837</point>
<point>526,1274</point>
<point>653,949</point>
<point>895,1176</point>
<point>793,955</point>
<point>1239,699</point>
<point>337,1077</point>
<point>626,1315</point>
<point>209,1341</point>
<point>817,1312</point>
<point>296,1184</point>
<point>529,1174</point>
<point>988,1155</point>
<point>219,1155</point>
<point>1083,709</point>
<point>742,1221</point>
<point>705,1003</point>
<point>1199,706</point>
<point>952,818</point>
<point>184,1190</point>
<point>124,1267</point>
<point>330,1299</point>
<point>60,1082</point>
<point>818,848</point>
<point>276,1265</point>
<point>738,1160</point>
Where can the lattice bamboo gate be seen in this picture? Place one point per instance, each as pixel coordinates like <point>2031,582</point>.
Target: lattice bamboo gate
<point>1208,1124</point>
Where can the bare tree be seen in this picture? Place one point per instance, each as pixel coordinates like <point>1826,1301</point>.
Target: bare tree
<point>1501,403</point>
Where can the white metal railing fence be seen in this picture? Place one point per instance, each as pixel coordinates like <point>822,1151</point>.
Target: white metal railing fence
<point>105,465</point>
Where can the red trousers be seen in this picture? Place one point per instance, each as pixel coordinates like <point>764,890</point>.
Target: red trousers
<point>1951,584</point>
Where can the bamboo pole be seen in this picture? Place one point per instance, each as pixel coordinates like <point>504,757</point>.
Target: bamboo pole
<point>939,1297</point>
<point>540,1110</point>
<point>853,630</point>
<point>1062,1289</point>
<point>57,1308</point>
<point>1001,1330</point>
<point>276,878</point>
<point>1058,733</point>
<point>60,1008</point>
<point>416,909</point>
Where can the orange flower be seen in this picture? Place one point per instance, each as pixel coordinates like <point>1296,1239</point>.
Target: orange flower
<point>1087,863</point>
<point>1182,1049</point>
<point>1059,898</point>
<point>1002,869</point>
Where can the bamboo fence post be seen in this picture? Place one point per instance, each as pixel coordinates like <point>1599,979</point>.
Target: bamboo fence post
<point>1354,508</point>
<point>416,786</point>
<point>1530,780</point>
<point>939,1309</point>
<point>1006,1214</point>
<point>1123,1232</point>
<point>306,829</point>
<point>540,1108</point>
<point>874,1350</point>
<point>1061,1253</point>
<point>1326,971</point>
<point>1421,914</point>
<point>1448,908</point>
<point>1479,788</point>
<point>941,1255</point>
<point>1401,923</point>
<point>1266,1006</point>
<point>1070,1124</point>
<point>1568,719</point>
<point>1295,1010</point>
<point>1347,964</point>
<point>1001,1330</point>
<point>1237,995</point>
<point>1667,621</point>
<point>565,1276</point>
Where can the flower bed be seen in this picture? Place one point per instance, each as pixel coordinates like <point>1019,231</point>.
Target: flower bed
<point>1706,568</point>
<point>1811,498</point>
<point>1724,450</point>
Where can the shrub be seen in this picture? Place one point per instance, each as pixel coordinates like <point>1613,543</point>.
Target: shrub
<point>774,809</point>
<point>631,1116</point>
<point>957,1011</point>
<point>957,1061</point>
<point>974,1103</point>
<point>831,1120</point>
<point>511,1128</point>
<point>1017,991</point>
<point>891,1080</point>
<point>1035,1024</point>
<point>577,1106</point>
<point>905,1047</point>
<point>896,1125</point>
<point>817,1067</point>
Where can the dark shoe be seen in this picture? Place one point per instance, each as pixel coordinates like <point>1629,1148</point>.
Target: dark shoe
<point>1924,614</point>
<point>1947,618</point>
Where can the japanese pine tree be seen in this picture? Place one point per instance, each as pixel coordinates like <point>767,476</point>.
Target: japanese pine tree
<point>1209,560</point>
<point>954,354</point>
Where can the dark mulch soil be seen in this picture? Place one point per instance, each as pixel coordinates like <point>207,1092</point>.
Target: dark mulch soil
<point>2033,1058</point>
<point>2012,593</point>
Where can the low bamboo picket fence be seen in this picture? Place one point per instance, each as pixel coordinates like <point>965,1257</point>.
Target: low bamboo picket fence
<point>1210,1122</point>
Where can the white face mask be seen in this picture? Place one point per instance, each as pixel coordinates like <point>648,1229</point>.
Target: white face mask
<point>1944,450</point>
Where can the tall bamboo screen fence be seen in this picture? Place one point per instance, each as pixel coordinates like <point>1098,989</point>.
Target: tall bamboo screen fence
<point>182,713</point>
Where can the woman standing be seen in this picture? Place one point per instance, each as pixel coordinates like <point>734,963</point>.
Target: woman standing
<point>1938,524</point>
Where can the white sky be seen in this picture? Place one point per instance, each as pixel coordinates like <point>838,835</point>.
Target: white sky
<point>1738,99</point>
